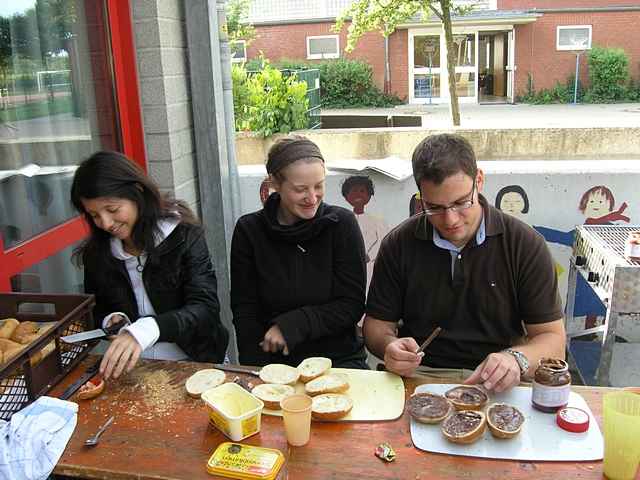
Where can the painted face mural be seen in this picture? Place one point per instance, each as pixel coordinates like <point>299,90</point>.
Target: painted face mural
<point>513,200</point>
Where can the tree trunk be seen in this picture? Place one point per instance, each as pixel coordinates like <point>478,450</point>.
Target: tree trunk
<point>454,108</point>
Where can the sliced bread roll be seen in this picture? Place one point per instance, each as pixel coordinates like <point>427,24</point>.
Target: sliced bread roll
<point>331,383</point>
<point>203,380</point>
<point>272,393</point>
<point>313,367</point>
<point>330,406</point>
<point>7,327</point>
<point>24,332</point>
<point>279,373</point>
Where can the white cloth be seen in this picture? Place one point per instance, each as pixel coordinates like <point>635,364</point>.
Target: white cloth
<point>145,329</point>
<point>32,442</point>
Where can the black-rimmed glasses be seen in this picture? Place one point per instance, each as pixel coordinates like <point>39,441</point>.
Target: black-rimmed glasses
<point>454,207</point>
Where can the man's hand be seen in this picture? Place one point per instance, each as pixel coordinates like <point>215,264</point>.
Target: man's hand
<point>400,356</point>
<point>274,341</point>
<point>498,372</point>
<point>121,356</point>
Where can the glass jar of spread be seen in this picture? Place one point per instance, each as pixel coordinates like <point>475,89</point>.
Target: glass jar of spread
<point>551,385</point>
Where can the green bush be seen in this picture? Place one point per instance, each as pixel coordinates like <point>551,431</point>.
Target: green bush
<point>266,102</point>
<point>349,83</point>
<point>608,75</point>
<point>560,93</point>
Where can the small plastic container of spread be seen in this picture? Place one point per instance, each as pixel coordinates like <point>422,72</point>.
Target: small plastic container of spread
<point>632,246</point>
<point>551,385</point>
<point>235,460</point>
<point>233,410</point>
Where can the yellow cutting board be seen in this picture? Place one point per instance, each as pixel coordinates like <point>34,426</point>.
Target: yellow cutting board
<point>375,395</point>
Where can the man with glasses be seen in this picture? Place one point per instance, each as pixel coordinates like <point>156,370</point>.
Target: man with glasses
<point>485,277</point>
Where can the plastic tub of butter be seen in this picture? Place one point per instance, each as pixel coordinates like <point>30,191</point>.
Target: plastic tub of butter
<point>233,410</point>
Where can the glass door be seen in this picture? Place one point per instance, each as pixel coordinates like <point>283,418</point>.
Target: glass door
<point>425,68</point>
<point>61,65</point>
<point>466,67</point>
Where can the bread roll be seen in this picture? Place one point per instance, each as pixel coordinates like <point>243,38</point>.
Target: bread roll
<point>428,407</point>
<point>279,373</point>
<point>91,389</point>
<point>24,332</point>
<point>10,349</point>
<point>331,406</point>
<point>465,426</point>
<point>332,383</point>
<point>313,367</point>
<point>467,397</point>
<point>272,393</point>
<point>504,420</point>
<point>203,380</point>
<point>7,327</point>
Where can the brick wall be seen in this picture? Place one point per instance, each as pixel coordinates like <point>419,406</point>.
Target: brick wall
<point>536,45</point>
<point>525,4</point>
<point>290,41</point>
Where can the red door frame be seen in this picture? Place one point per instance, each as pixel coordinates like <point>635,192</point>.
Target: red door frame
<point>46,244</point>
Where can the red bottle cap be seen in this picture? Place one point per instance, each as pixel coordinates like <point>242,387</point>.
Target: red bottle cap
<point>573,419</point>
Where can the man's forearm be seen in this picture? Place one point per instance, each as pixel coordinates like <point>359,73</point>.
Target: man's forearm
<point>377,335</point>
<point>548,344</point>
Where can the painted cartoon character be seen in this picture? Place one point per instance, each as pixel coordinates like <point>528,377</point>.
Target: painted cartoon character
<point>358,190</point>
<point>513,200</point>
<point>266,189</point>
<point>597,204</point>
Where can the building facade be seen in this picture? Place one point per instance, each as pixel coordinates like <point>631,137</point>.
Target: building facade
<point>503,47</point>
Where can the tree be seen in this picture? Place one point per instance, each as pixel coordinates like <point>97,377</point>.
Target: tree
<point>386,15</point>
<point>237,11</point>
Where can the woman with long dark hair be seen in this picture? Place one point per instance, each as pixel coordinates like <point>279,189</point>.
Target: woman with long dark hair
<point>147,262</point>
<point>298,268</point>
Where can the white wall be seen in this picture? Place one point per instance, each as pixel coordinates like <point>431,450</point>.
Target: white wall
<point>554,190</point>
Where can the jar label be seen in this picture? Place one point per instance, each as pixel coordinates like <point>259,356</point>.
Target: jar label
<point>546,396</point>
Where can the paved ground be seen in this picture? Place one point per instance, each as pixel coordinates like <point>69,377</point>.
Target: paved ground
<point>514,116</point>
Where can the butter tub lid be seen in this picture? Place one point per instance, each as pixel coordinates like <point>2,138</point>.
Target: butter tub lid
<point>235,460</point>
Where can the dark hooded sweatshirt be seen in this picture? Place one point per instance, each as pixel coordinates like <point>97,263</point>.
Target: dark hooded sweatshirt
<point>308,278</point>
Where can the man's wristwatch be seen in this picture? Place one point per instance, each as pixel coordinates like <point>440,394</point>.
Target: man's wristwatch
<point>523,361</point>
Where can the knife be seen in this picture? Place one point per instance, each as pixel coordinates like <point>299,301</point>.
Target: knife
<point>88,374</point>
<point>228,368</point>
<point>97,333</point>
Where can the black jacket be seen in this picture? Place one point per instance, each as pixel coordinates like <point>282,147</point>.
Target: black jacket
<point>308,278</point>
<point>181,284</point>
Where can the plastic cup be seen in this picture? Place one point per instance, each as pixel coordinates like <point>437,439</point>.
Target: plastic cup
<point>621,434</point>
<point>296,412</point>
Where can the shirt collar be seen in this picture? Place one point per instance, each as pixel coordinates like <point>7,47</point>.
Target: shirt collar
<point>447,245</point>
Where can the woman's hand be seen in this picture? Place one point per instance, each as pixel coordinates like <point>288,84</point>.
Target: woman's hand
<point>121,356</point>
<point>274,341</point>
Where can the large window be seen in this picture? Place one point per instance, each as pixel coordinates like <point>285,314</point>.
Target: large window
<point>573,37</point>
<point>326,46</point>
<point>57,106</point>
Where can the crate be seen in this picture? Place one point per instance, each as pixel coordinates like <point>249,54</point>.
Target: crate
<point>23,379</point>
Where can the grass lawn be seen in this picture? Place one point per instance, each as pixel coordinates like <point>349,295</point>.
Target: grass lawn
<point>42,108</point>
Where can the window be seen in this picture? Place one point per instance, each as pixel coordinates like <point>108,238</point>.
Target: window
<point>327,46</point>
<point>574,37</point>
<point>238,51</point>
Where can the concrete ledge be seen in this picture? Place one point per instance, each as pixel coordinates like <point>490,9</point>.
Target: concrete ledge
<point>489,144</point>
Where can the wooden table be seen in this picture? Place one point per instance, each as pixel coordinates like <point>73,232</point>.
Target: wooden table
<point>161,433</point>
